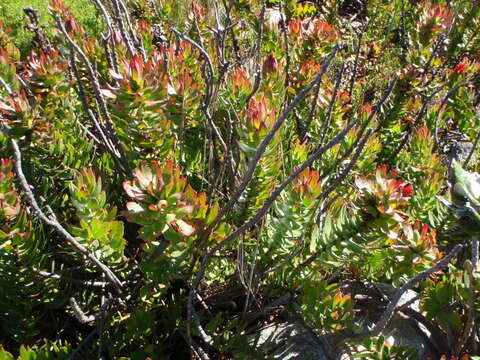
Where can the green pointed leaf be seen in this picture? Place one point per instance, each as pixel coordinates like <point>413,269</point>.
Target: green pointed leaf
<point>5,355</point>
<point>116,229</point>
<point>98,229</point>
<point>314,239</point>
<point>245,148</point>
<point>212,214</point>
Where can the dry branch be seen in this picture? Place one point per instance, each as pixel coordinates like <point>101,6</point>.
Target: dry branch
<point>268,138</point>
<point>59,277</point>
<point>113,137</point>
<point>82,317</point>
<point>52,221</point>
<point>393,305</point>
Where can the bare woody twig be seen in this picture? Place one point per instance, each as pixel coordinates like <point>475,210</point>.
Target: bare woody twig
<point>259,215</point>
<point>267,139</point>
<point>196,349</point>
<point>326,124</point>
<point>82,317</point>
<point>393,305</point>
<point>357,57</point>
<point>439,42</point>
<point>380,103</point>
<point>121,27</point>
<point>205,337</point>
<point>136,39</point>
<point>24,85</point>
<point>258,46</point>
<point>52,221</point>
<point>85,341</point>
<point>91,73</point>
<point>209,82</point>
<point>105,142</point>
<point>69,279</point>
<point>283,27</point>
<point>210,77</point>
<point>111,56</point>
<point>437,337</point>
<point>236,49</point>
<point>7,87</point>
<point>105,14</point>
<point>349,167</point>
<point>99,97</point>
<point>421,113</point>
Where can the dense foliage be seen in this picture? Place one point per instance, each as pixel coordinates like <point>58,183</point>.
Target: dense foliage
<point>166,183</point>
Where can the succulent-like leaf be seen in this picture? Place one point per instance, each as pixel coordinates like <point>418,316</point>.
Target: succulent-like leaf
<point>466,186</point>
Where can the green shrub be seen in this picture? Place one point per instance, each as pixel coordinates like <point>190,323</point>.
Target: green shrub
<point>166,176</point>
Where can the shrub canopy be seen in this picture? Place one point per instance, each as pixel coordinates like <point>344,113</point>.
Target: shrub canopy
<point>172,171</point>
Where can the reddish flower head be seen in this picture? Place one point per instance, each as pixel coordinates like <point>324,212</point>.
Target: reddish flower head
<point>270,64</point>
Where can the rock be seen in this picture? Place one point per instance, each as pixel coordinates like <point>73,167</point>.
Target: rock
<point>288,340</point>
<point>460,151</point>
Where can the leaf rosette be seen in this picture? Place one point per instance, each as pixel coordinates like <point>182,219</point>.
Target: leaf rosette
<point>165,204</point>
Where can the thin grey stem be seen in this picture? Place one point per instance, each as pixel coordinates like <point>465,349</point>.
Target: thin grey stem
<point>349,167</point>
<point>7,88</point>
<point>196,349</point>
<point>99,97</point>
<point>121,27</point>
<point>258,46</point>
<point>206,58</point>
<point>111,56</point>
<point>54,223</point>
<point>85,341</point>
<point>82,317</point>
<point>268,138</point>
<point>69,279</point>
<point>393,305</point>
<point>209,82</point>
<point>137,41</point>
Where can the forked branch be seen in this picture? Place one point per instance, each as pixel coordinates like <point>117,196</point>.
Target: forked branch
<point>393,305</point>
<point>52,221</point>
